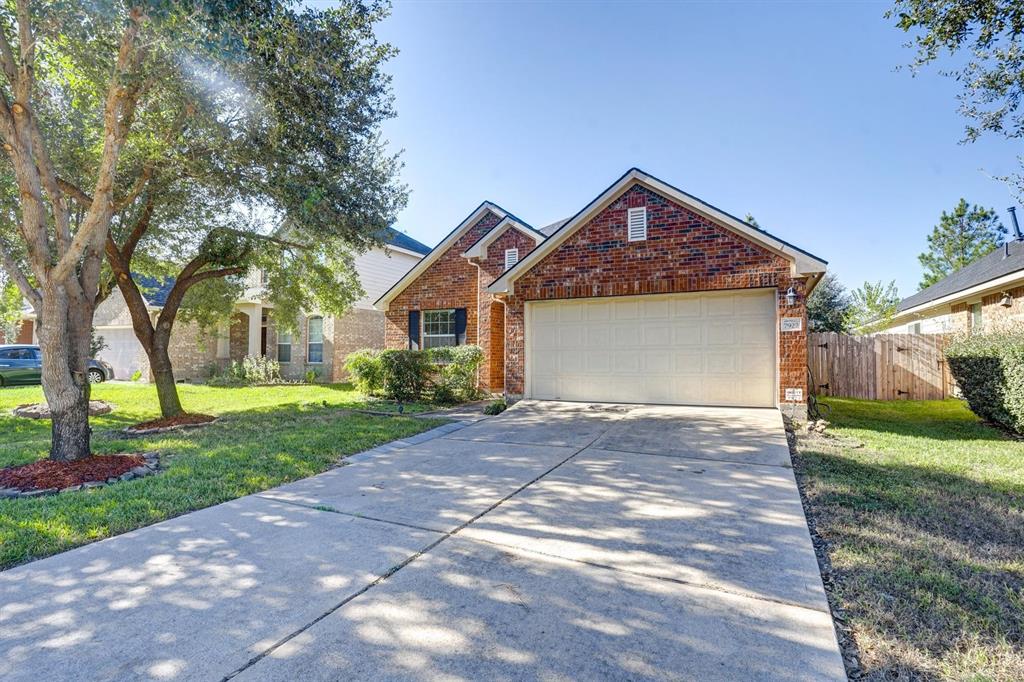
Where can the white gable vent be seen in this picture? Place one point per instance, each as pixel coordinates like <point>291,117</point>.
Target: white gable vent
<point>511,257</point>
<point>638,224</point>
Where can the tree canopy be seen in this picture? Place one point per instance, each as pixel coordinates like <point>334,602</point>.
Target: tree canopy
<point>961,237</point>
<point>872,306</point>
<point>828,306</point>
<point>990,70</point>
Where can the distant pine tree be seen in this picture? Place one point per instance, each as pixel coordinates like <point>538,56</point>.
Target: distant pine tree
<point>960,238</point>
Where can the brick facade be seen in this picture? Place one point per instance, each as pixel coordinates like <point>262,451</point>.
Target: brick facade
<point>450,282</point>
<point>683,252</point>
<point>454,281</point>
<point>490,312</point>
<point>360,328</point>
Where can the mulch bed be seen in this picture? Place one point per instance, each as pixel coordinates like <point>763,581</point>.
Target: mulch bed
<point>183,419</point>
<point>47,474</point>
<point>42,410</point>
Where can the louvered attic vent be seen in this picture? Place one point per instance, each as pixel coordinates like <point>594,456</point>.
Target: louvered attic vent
<point>511,257</point>
<point>637,224</point>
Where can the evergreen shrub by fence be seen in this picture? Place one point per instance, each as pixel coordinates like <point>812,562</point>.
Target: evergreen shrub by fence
<point>989,368</point>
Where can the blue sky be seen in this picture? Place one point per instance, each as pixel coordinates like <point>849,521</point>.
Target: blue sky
<point>792,111</point>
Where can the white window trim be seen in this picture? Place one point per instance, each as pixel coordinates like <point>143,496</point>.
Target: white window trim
<point>290,344</point>
<point>309,341</point>
<point>636,215</point>
<point>511,257</point>
<point>423,328</point>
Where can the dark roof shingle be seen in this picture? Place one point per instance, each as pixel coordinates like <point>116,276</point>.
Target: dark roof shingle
<point>404,241</point>
<point>1005,260</point>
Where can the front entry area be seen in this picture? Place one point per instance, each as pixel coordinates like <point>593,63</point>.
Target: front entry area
<point>707,348</point>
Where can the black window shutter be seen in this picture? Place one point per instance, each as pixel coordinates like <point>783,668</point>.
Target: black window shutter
<point>460,326</point>
<point>414,330</point>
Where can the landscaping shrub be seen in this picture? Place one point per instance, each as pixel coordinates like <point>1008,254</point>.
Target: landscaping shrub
<point>449,374</point>
<point>989,367</point>
<point>366,370</point>
<point>496,407</point>
<point>253,369</point>
<point>405,374</point>
<point>455,372</point>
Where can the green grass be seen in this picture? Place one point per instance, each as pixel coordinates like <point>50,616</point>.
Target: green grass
<point>267,436</point>
<point>922,509</point>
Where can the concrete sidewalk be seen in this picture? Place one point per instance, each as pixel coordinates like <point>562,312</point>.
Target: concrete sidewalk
<point>559,541</point>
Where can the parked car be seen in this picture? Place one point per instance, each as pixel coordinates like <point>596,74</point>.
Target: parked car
<point>21,364</point>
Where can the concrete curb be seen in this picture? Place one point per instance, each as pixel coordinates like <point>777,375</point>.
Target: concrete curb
<point>401,444</point>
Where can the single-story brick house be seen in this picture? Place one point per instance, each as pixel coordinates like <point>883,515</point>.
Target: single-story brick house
<point>985,294</point>
<point>647,294</point>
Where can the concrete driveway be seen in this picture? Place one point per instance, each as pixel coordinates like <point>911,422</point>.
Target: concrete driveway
<point>559,541</point>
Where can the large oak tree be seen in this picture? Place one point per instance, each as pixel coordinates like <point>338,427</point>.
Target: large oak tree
<point>285,137</point>
<point>96,101</point>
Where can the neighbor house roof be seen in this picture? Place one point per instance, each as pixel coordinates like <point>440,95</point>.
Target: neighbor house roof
<point>401,240</point>
<point>1004,262</point>
<point>804,263</point>
<point>155,290</point>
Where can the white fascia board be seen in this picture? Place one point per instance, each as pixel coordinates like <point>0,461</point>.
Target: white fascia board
<point>479,249</point>
<point>803,264</point>
<point>971,294</point>
<point>399,249</point>
<point>415,271</point>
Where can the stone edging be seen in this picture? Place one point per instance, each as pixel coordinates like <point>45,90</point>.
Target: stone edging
<point>151,466</point>
<point>129,431</point>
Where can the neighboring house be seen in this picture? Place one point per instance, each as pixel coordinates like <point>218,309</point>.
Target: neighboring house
<point>987,293</point>
<point>321,344</point>
<point>647,294</point>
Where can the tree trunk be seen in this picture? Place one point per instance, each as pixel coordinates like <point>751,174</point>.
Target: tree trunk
<point>163,375</point>
<point>64,342</point>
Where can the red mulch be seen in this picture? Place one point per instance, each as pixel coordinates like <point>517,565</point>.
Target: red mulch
<point>176,420</point>
<point>47,473</point>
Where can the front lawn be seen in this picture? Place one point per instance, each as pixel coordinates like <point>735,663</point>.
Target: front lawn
<point>921,508</point>
<point>267,436</point>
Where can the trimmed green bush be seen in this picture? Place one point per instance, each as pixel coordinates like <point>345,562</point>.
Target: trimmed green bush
<point>448,374</point>
<point>989,367</point>
<point>455,372</point>
<point>496,407</point>
<point>366,370</point>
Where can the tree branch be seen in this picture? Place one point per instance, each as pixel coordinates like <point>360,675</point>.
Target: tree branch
<point>119,105</point>
<point>18,277</point>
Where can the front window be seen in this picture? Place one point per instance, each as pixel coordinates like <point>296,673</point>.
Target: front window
<point>315,345</point>
<point>976,316</point>
<point>284,347</point>
<point>438,328</point>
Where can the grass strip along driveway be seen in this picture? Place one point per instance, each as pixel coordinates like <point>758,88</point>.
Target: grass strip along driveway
<point>921,507</point>
<point>266,436</point>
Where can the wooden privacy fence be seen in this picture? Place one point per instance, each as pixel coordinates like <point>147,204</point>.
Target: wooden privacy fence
<point>879,367</point>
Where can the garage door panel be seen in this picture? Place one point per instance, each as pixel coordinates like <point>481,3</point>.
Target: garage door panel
<point>682,348</point>
<point>686,307</point>
<point>719,306</point>
<point>721,334</point>
<point>686,335</point>
<point>597,312</point>
<point>626,336</point>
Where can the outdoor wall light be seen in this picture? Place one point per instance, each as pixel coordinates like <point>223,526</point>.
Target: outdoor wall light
<point>791,296</point>
<point>1006,301</point>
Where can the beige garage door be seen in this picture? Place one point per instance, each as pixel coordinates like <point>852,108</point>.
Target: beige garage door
<point>691,349</point>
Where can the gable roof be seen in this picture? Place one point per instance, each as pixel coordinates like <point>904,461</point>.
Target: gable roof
<point>804,263</point>
<point>1006,260</point>
<point>509,222</point>
<point>393,237</point>
<point>439,250</point>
